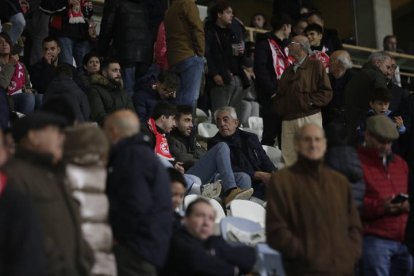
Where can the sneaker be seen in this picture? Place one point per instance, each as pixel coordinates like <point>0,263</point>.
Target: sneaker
<point>238,193</point>
<point>211,190</point>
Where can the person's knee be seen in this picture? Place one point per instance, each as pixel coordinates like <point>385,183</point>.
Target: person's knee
<point>222,147</point>
<point>243,180</point>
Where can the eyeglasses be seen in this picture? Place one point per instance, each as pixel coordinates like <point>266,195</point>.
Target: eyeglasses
<point>293,42</point>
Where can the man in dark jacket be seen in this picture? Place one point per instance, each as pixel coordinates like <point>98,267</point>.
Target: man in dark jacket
<point>139,195</point>
<point>106,93</point>
<point>359,88</point>
<point>37,171</point>
<point>246,152</point>
<point>196,251</point>
<point>270,61</point>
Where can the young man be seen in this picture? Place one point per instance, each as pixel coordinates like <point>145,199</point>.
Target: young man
<point>206,165</point>
<point>314,33</point>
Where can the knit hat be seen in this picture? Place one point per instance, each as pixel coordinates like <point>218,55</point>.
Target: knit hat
<point>383,127</point>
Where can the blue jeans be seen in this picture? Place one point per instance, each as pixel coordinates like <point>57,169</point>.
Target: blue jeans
<point>128,76</point>
<point>24,102</point>
<point>71,49</point>
<point>18,24</point>
<point>189,179</point>
<point>190,71</point>
<point>385,257</point>
<point>217,161</point>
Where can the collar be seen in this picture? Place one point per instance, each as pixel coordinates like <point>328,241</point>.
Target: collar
<point>38,159</point>
<point>307,166</point>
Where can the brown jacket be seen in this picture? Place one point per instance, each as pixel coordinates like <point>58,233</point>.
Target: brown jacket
<point>304,92</point>
<point>311,219</point>
<point>184,31</point>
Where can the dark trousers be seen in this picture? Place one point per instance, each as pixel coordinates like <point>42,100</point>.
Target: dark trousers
<point>130,264</point>
<point>272,126</point>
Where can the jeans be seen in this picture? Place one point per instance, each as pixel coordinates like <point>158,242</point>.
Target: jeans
<point>385,257</point>
<point>71,49</point>
<point>128,76</point>
<point>18,24</point>
<point>230,94</point>
<point>24,102</point>
<point>190,71</point>
<point>217,160</point>
<point>190,180</point>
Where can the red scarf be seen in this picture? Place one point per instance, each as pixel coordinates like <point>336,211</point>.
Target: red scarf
<point>161,144</point>
<point>18,80</point>
<point>322,56</point>
<point>281,61</point>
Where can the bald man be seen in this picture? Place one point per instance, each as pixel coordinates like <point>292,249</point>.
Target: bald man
<point>340,73</point>
<point>311,218</point>
<point>139,198</point>
<point>304,89</point>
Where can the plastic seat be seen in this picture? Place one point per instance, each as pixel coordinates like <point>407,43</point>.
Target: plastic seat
<point>255,123</point>
<point>207,130</point>
<point>229,227</point>
<point>275,155</point>
<point>249,210</point>
<point>269,261</point>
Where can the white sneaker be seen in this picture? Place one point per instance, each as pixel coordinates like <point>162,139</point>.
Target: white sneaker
<point>211,190</point>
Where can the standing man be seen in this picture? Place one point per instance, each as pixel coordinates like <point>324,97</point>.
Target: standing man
<point>107,93</point>
<point>384,213</point>
<point>303,90</point>
<point>139,195</point>
<point>270,61</point>
<point>311,218</point>
<point>185,43</point>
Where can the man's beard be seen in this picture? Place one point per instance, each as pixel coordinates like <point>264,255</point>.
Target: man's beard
<point>117,82</point>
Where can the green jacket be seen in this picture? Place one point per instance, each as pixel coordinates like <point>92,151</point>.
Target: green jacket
<point>66,252</point>
<point>106,97</point>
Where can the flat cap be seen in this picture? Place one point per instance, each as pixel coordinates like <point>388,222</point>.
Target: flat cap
<point>36,120</point>
<point>383,127</point>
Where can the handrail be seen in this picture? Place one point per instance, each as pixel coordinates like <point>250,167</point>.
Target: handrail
<point>371,50</point>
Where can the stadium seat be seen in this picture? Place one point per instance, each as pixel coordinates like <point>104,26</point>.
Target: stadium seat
<point>207,130</point>
<point>248,210</point>
<point>255,123</point>
<point>275,155</point>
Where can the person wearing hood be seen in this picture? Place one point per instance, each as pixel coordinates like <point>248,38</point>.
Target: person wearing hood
<point>106,93</point>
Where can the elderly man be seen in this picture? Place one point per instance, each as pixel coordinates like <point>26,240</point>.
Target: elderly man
<point>385,209</point>
<point>358,90</point>
<point>196,251</point>
<point>340,73</point>
<point>139,197</point>
<point>311,218</point>
<point>246,152</point>
<point>303,90</point>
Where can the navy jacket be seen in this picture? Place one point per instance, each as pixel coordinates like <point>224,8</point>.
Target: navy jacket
<point>138,189</point>
<point>246,152</point>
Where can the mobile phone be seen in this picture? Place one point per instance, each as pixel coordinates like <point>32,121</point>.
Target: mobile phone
<point>400,198</point>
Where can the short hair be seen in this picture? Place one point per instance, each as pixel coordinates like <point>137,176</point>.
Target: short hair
<point>345,60</point>
<point>298,134</point>
<point>170,79</point>
<point>305,45</point>
<point>388,37</point>
<point>258,14</point>
<point>163,108</point>
<point>106,62</point>
<point>183,110</point>
<point>318,14</point>
<point>88,56</point>
<point>380,56</point>
<point>314,27</point>
<point>217,8</point>
<point>50,39</point>
<point>190,207</point>
<point>7,38</point>
<point>381,94</point>
<point>176,176</point>
<point>278,20</point>
<point>229,109</point>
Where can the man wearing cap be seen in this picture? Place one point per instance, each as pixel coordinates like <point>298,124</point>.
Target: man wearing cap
<point>385,208</point>
<point>37,171</point>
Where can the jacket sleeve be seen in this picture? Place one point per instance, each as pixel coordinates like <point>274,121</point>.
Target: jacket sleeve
<point>372,208</point>
<point>6,74</point>
<point>323,95</point>
<point>84,105</point>
<point>196,28</point>
<point>278,234</point>
<point>41,75</point>
<point>98,112</point>
<point>266,82</point>
<point>140,104</point>
<point>354,227</point>
<point>210,44</point>
<point>180,153</point>
<point>265,164</point>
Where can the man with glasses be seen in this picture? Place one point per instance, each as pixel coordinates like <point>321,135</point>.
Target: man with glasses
<point>385,208</point>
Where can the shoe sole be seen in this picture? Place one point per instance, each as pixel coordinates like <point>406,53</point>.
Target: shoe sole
<point>245,195</point>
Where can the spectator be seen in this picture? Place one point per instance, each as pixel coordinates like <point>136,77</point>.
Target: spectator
<point>206,165</point>
<point>178,191</point>
<point>390,44</point>
<point>246,153</point>
<point>330,38</point>
<point>91,64</point>
<point>106,93</point>
<point>192,244</point>
<point>156,89</point>
<point>186,47</point>
<point>321,232</point>
<point>11,10</point>
<point>361,86</point>
<point>270,61</point>
<point>295,107</point>
<point>384,218</point>
<point>140,199</point>
<point>398,93</point>
<point>299,27</point>
<point>258,21</point>
<point>224,53</point>
<point>86,153</point>
<point>314,34</point>
<point>340,73</point>
<point>64,86</point>
<point>38,172</point>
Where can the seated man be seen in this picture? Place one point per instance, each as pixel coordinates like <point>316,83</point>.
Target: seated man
<point>195,250</point>
<point>206,165</point>
<point>246,152</point>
